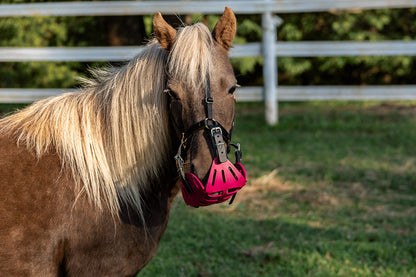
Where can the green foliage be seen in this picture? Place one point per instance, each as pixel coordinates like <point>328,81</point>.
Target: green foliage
<point>36,31</point>
<point>44,32</point>
<point>373,25</point>
<point>382,24</point>
<point>47,32</point>
<point>248,31</point>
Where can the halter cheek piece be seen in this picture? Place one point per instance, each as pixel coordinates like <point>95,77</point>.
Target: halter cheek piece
<point>225,178</point>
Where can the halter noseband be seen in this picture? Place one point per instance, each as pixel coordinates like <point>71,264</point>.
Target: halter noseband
<point>219,135</point>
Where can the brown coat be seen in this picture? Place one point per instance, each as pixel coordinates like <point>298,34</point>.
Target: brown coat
<point>38,218</point>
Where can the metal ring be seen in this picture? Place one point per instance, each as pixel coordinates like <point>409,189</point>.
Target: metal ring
<point>211,119</point>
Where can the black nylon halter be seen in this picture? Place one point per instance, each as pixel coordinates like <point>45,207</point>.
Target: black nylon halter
<point>216,132</point>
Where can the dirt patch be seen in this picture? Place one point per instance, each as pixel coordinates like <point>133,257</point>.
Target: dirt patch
<point>315,198</point>
<point>267,183</point>
<point>269,192</point>
<point>259,194</point>
<point>393,108</point>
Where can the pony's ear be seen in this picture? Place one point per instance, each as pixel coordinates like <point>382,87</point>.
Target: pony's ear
<point>164,33</point>
<point>225,29</point>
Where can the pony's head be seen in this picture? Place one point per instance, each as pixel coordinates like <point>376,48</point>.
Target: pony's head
<point>201,85</point>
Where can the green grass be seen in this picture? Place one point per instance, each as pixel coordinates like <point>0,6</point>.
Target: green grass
<point>331,192</point>
<point>8,108</point>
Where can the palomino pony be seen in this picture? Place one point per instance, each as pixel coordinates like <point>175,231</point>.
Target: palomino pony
<point>87,179</point>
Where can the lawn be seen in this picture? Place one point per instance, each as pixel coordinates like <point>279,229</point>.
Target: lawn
<point>331,192</point>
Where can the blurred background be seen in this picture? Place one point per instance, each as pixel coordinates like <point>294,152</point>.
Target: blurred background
<point>366,25</point>
<point>332,186</point>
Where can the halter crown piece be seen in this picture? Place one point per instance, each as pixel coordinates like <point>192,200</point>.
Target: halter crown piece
<point>225,179</point>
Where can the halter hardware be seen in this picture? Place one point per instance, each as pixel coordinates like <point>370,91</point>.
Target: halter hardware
<point>209,100</point>
<point>206,120</point>
<point>215,131</point>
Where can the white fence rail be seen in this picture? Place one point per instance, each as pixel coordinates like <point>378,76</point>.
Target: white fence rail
<point>316,93</point>
<point>252,94</point>
<point>282,49</point>
<point>267,49</point>
<point>207,7</point>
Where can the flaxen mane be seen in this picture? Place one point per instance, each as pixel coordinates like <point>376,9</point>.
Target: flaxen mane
<point>190,59</point>
<point>114,134</point>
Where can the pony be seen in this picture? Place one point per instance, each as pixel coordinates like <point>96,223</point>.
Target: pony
<point>87,179</point>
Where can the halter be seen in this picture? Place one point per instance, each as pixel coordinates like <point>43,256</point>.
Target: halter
<point>233,176</point>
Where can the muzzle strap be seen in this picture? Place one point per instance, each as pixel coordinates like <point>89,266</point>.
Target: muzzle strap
<point>216,135</point>
<point>238,157</point>
<point>238,152</point>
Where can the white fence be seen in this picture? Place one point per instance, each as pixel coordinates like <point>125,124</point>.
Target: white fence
<point>268,48</point>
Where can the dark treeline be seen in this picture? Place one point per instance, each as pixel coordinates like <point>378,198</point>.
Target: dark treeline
<point>384,24</point>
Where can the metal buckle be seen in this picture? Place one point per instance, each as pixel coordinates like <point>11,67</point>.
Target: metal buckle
<point>179,162</point>
<point>216,130</point>
<point>236,146</point>
<point>179,165</point>
<point>209,100</point>
<point>238,154</point>
<point>178,158</point>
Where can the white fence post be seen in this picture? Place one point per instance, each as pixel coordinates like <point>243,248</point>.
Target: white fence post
<point>269,23</point>
<point>269,69</point>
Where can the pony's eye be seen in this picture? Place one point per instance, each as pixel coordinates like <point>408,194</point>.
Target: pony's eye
<point>232,89</point>
<point>173,95</point>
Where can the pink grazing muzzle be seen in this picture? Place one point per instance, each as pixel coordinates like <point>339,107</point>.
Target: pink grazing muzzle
<point>224,181</point>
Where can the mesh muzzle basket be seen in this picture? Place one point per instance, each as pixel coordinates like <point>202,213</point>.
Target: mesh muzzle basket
<point>224,180</point>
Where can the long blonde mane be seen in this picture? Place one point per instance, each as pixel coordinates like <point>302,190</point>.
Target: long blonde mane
<point>114,134</point>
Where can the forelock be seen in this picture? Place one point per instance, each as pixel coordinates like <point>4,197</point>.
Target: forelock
<point>191,56</point>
